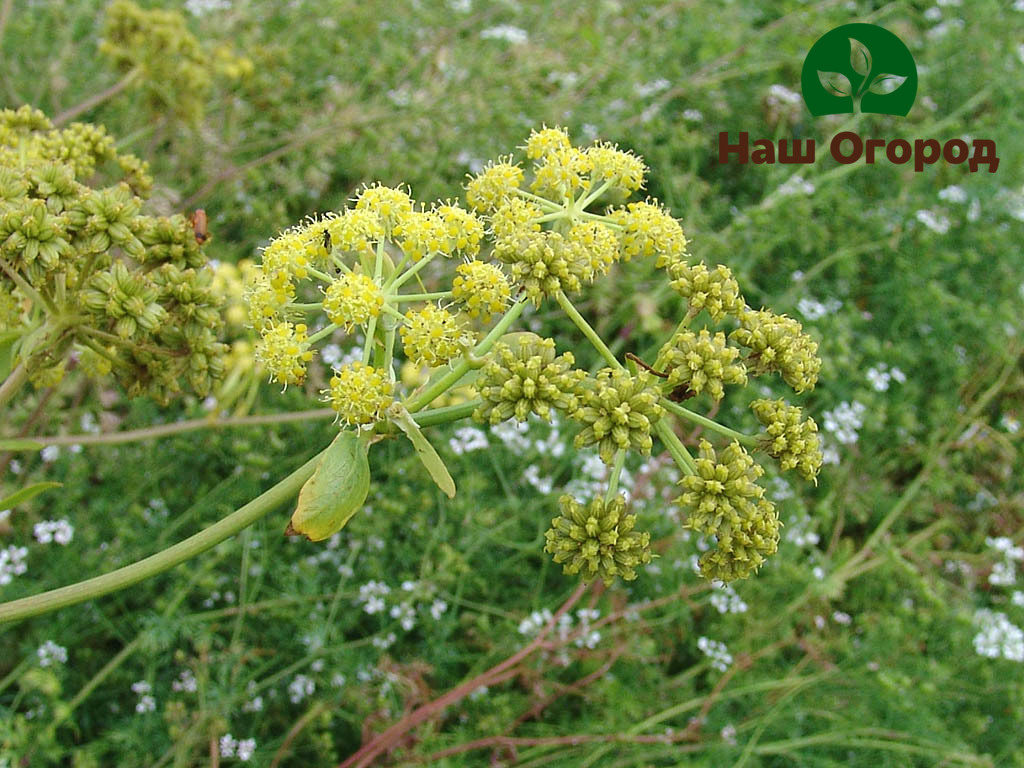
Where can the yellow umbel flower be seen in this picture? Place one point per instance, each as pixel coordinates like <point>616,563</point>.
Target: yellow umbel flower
<point>292,252</point>
<point>463,231</point>
<point>598,242</point>
<point>561,173</point>
<point>433,336</point>
<point>482,287</point>
<point>283,351</point>
<point>545,141</point>
<point>355,230</point>
<point>715,290</point>
<point>515,217</point>
<point>648,230</point>
<point>391,204</point>
<point>492,186</point>
<point>623,171</point>
<point>360,394</point>
<point>265,296</point>
<point>352,300</point>
<point>420,234</point>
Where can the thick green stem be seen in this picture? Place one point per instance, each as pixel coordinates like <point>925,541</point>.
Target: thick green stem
<point>13,383</point>
<point>323,333</point>
<point>613,481</point>
<point>586,330</point>
<point>675,447</point>
<point>439,387</point>
<point>165,560</point>
<point>704,421</point>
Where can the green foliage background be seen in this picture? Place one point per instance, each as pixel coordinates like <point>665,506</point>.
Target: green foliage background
<point>344,93</point>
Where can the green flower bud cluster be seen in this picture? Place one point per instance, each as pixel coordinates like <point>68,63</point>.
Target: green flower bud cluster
<point>109,281</point>
<point>714,290</point>
<point>526,377</point>
<point>545,263</point>
<point>598,540</point>
<point>173,69</point>
<point>788,437</point>
<point>723,500</point>
<point>778,343</point>
<point>617,411</point>
<point>702,362</point>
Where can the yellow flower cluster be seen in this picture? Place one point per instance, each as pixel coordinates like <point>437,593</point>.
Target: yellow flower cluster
<point>360,394</point>
<point>284,352</point>
<point>432,336</point>
<point>648,230</point>
<point>494,185</point>
<point>482,287</point>
<point>352,300</point>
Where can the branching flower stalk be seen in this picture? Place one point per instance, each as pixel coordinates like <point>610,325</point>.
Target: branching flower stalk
<point>526,239</point>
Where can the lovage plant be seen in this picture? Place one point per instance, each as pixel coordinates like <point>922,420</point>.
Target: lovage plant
<point>522,239</point>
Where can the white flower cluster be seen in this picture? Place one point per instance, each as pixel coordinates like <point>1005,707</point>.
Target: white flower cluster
<point>54,531</point>
<point>49,653</point>
<point>146,702</point>
<point>716,651</point>
<point>372,594</point>
<point>844,421</point>
<point>799,532</point>
<point>300,687</point>
<point>186,682</point>
<point>12,563</point>
<point>1004,572</point>
<point>997,636</point>
<point>725,599</point>
<point>936,222</point>
<point>243,749</point>
<point>880,376</point>
<point>506,32</point>
<point>468,439</point>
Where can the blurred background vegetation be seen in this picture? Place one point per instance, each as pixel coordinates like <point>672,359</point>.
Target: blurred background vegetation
<point>886,630</point>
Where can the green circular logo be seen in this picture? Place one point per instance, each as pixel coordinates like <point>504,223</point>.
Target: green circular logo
<point>859,68</point>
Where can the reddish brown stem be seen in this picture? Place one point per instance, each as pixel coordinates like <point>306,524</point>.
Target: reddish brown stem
<point>393,735</point>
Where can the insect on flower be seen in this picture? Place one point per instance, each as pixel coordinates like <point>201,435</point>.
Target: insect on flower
<point>200,225</point>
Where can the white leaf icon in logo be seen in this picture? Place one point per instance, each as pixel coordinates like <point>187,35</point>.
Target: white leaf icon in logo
<point>860,57</point>
<point>884,84</point>
<point>835,83</point>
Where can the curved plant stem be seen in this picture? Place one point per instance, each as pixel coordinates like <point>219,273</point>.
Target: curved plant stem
<point>704,421</point>
<point>166,430</point>
<point>124,577</point>
<point>613,481</point>
<point>95,100</point>
<point>586,330</point>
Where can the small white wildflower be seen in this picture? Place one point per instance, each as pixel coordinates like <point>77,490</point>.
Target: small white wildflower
<point>997,636</point>
<point>878,378</point>
<point>506,32</point>
<point>146,703</point>
<point>780,94</point>
<point>372,594</point>
<point>818,572</point>
<point>933,14</point>
<point>839,617</point>
<point>478,693</point>
<point>227,745</point>
<point>795,185</point>
<point>49,653</point>
<point>50,453</point>
<point>935,222</point>
<point>405,614</point>
<point>468,439</point>
<point>953,194</point>
<point>437,609</point>
<point>716,651</point>
<point>693,115</point>
<point>12,563</point>
<point>543,484</point>
<point>1004,574</point>
<point>384,642</point>
<point>844,421</point>
<point>728,734</point>
<point>725,599</point>
<point>59,531</point>
<point>643,90</point>
<point>246,749</point>
<point>186,682</point>
<point>300,687</point>
<point>1017,598</point>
